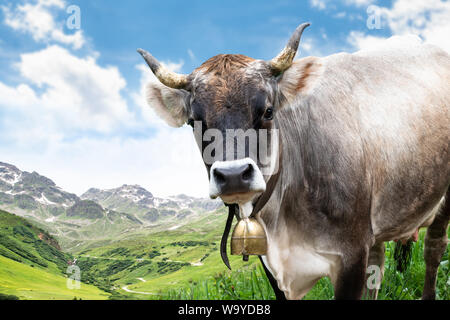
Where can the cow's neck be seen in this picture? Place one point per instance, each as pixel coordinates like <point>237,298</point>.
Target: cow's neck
<point>290,241</point>
<point>271,184</point>
<point>287,200</point>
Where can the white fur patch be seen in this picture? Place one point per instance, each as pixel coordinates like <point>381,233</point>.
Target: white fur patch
<point>245,210</point>
<point>297,267</point>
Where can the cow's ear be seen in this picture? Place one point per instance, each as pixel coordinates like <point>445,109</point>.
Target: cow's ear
<point>168,103</point>
<point>301,78</point>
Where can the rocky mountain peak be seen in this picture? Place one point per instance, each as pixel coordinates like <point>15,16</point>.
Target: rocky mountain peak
<point>135,192</point>
<point>33,188</point>
<point>9,174</point>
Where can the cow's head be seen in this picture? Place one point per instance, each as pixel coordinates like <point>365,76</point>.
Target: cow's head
<point>229,92</point>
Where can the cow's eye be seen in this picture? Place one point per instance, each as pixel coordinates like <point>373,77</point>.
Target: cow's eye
<point>268,115</point>
<point>190,122</point>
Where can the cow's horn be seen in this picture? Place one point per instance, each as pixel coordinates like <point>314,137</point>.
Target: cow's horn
<point>167,77</point>
<point>284,59</point>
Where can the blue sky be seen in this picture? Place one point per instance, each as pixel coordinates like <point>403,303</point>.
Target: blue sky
<point>72,102</point>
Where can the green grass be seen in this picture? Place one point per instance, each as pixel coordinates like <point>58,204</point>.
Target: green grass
<point>245,284</point>
<point>183,263</point>
<point>211,280</point>
<point>251,283</point>
<point>26,282</point>
<point>189,275</point>
<point>409,284</point>
<point>164,260</point>
<point>32,266</point>
<point>23,242</point>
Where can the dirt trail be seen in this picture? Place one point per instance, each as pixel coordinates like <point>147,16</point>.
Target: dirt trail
<point>116,259</point>
<point>125,288</point>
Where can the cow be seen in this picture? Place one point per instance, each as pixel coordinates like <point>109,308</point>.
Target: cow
<point>362,153</point>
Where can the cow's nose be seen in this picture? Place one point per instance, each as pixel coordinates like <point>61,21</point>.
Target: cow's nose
<point>234,179</point>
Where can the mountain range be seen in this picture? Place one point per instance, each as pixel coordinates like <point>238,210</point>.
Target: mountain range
<point>97,214</point>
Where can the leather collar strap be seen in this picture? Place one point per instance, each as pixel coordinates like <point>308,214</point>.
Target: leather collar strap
<point>263,198</point>
<point>232,210</point>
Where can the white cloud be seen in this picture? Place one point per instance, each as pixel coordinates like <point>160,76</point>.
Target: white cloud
<point>319,4</point>
<point>37,20</point>
<point>73,93</point>
<point>306,45</point>
<point>21,96</point>
<point>191,55</point>
<point>166,164</point>
<point>328,4</point>
<point>340,15</point>
<point>359,3</point>
<point>314,46</point>
<point>175,164</point>
<point>46,124</point>
<point>362,41</point>
<point>348,16</point>
<point>427,19</point>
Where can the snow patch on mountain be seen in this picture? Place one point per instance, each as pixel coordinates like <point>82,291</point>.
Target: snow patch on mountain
<point>45,201</point>
<point>9,173</point>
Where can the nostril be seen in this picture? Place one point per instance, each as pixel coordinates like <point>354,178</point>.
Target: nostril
<point>248,173</point>
<point>220,178</point>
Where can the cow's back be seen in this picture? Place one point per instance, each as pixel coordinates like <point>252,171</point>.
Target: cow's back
<point>389,111</point>
<point>404,116</point>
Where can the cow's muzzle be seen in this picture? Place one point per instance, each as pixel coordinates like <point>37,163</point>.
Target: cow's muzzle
<point>237,181</point>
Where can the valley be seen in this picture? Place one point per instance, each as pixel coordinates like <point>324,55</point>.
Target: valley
<point>127,243</point>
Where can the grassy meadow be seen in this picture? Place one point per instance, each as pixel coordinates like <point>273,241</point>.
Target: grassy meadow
<point>32,266</point>
<point>181,263</point>
<point>32,283</point>
<point>247,281</point>
<point>147,266</point>
<point>251,283</point>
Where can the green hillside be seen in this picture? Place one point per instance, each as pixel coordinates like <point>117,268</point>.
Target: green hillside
<point>32,283</point>
<point>32,265</point>
<point>25,243</point>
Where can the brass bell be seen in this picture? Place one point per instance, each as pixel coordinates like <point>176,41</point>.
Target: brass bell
<point>248,238</point>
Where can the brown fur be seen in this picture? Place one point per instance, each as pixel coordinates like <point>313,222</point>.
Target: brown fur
<point>224,64</point>
<point>304,77</point>
<point>222,83</point>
